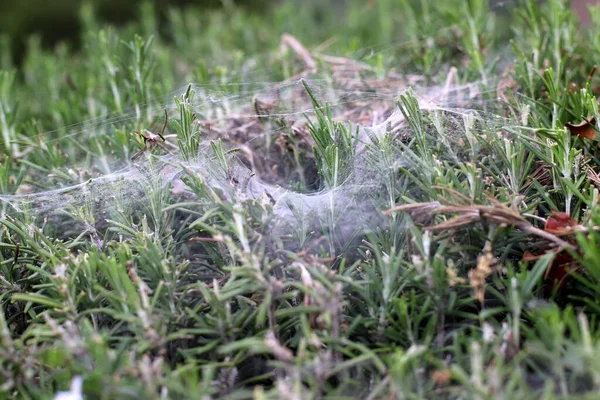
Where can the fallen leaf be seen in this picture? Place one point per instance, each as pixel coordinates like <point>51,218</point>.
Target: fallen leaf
<point>558,272</point>
<point>559,221</point>
<point>563,262</point>
<point>586,129</point>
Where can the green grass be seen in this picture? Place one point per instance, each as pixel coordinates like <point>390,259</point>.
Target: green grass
<point>276,244</point>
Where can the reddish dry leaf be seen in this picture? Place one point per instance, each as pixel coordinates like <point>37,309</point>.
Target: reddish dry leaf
<point>563,262</point>
<point>558,272</point>
<point>586,129</point>
<point>559,221</point>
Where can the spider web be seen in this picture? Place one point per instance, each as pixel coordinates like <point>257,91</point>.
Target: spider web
<point>267,124</point>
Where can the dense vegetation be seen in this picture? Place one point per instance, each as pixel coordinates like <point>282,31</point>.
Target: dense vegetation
<point>449,154</point>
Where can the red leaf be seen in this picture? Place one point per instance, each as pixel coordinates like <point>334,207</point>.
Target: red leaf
<point>558,221</point>
<point>558,272</point>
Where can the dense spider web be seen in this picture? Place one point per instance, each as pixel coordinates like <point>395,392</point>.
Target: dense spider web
<point>273,165</point>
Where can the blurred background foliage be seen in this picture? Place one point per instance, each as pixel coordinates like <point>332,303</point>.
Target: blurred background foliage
<point>58,20</point>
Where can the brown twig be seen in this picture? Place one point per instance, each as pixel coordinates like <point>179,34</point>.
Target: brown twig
<point>288,40</point>
<point>467,215</point>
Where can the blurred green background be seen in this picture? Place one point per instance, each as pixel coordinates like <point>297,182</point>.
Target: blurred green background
<point>58,20</point>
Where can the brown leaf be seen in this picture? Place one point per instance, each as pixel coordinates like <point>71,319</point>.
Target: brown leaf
<point>559,221</point>
<point>586,129</point>
<point>558,271</point>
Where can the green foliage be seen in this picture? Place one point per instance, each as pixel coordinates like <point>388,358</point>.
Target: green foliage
<point>187,129</point>
<point>335,144</point>
<point>189,291</point>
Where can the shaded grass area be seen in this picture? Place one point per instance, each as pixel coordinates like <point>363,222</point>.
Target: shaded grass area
<point>452,251</point>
